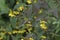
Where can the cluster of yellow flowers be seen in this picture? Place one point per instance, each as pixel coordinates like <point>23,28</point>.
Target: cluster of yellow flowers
<point>21,8</point>
<point>27,38</point>
<point>43,24</point>
<point>44,27</point>
<point>3,34</point>
<point>29,26</point>
<point>28,1</point>
<point>10,33</point>
<point>15,32</point>
<point>13,13</point>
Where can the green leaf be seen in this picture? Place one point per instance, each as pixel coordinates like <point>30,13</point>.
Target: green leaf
<point>57,38</point>
<point>18,5</point>
<point>13,21</point>
<point>13,37</point>
<point>51,3</point>
<point>8,28</point>
<point>3,7</point>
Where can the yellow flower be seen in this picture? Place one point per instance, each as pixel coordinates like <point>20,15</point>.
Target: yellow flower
<point>29,21</point>
<point>43,37</point>
<point>10,33</point>
<point>42,21</point>
<point>35,17</point>
<point>16,12</point>
<point>22,39</point>
<point>20,8</point>
<point>43,26</point>
<point>28,25</point>
<point>40,11</point>
<point>17,2</point>
<point>11,14</point>
<point>29,1</point>
<point>14,31</point>
<point>35,1</point>
<point>21,31</point>
<point>3,33</point>
<point>31,39</point>
<point>29,29</point>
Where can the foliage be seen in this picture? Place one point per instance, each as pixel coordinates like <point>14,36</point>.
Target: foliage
<point>29,19</point>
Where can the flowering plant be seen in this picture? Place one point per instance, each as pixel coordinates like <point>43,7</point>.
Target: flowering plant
<point>29,20</point>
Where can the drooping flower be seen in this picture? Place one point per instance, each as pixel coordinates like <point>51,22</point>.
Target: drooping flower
<point>21,31</point>
<point>43,37</point>
<point>11,14</point>
<point>31,38</point>
<point>22,39</point>
<point>21,8</point>
<point>29,1</point>
<point>14,31</point>
<point>43,24</point>
<point>17,2</point>
<point>16,12</point>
